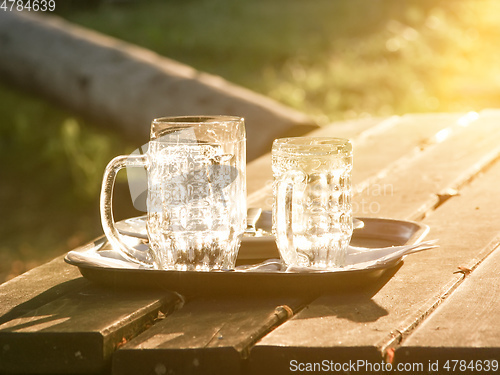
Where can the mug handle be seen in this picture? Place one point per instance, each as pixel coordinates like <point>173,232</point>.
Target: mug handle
<point>294,176</point>
<point>106,207</point>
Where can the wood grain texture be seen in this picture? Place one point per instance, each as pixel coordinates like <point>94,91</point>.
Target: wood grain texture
<point>377,150</point>
<point>79,331</point>
<point>414,186</point>
<point>466,326</point>
<point>37,287</point>
<point>206,336</point>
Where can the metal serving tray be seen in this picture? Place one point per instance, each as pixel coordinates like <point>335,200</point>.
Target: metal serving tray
<point>112,270</point>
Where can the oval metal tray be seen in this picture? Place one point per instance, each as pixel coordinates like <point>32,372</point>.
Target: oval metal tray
<point>112,270</point>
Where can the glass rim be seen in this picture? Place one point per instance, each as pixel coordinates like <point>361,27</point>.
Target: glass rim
<point>196,119</point>
<point>313,145</point>
<point>214,129</point>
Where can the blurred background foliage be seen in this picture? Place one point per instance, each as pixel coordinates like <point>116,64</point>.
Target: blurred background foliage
<point>333,59</point>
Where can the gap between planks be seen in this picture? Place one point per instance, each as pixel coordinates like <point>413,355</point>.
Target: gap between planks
<point>398,336</point>
<point>367,142</point>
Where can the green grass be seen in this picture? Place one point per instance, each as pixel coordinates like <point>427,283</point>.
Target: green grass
<point>333,59</point>
<point>52,165</point>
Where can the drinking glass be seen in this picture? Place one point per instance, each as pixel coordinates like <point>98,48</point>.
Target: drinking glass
<point>196,199</point>
<point>312,211</point>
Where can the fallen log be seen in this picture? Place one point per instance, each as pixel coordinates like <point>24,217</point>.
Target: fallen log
<point>122,85</point>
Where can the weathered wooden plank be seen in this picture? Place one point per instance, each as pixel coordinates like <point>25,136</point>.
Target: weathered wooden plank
<point>410,188</point>
<point>398,139</point>
<point>38,287</point>
<point>377,149</point>
<point>465,239</point>
<point>78,332</point>
<point>330,328</point>
<point>466,326</point>
<point>116,83</point>
<point>187,336</point>
<point>206,336</point>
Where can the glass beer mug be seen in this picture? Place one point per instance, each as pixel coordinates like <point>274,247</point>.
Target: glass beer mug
<point>312,211</point>
<point>196,198</point>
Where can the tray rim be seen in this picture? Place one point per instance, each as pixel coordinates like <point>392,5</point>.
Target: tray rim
<point>417,236</point>
<point>261,283</point>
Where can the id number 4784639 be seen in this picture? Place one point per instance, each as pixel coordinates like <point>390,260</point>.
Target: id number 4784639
<point>28,5</point>
<point>474,365</point>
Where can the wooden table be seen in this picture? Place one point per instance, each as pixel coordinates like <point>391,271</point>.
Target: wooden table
<point>440,310</point>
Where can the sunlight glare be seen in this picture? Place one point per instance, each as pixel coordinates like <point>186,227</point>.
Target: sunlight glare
<point>468,119</point>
